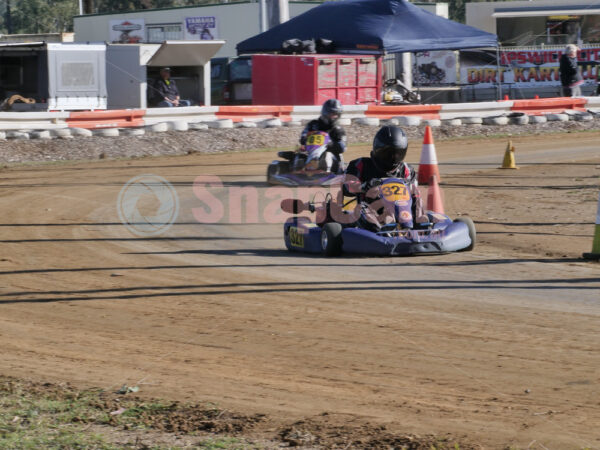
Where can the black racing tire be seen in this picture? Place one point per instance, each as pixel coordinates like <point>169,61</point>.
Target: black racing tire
<point>275,169</point>
<point>413,97</point>
<point>284,167</point>
<point>331,239</point>
<point>472,232</point>
<point>272,170</point>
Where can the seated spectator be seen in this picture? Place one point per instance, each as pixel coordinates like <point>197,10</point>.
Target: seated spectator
<point>167,93</point>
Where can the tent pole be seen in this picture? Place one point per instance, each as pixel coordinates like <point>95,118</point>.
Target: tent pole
<point>499,87</point>
<point>262,12</point>
<point>416,65</point>
<point>407,78</point>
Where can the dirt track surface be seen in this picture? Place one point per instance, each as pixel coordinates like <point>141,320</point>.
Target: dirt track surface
<point>498,346</point>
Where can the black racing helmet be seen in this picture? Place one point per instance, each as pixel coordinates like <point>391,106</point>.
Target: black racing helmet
<point>331,111</point>
<point>389,148</point>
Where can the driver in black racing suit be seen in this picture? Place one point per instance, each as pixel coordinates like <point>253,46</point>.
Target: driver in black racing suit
<point>387,160</point>
<point>331,111</point>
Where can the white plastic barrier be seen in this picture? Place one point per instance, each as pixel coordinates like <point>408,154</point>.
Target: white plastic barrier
<point>310,112</point>
<point>482,109</point>
<point>156,119</point>
<point>592,102</point>
<point>33,120</point>
<point>191,114</point>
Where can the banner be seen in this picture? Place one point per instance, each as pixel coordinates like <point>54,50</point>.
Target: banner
<point>523,68</point>
<point>434,68</point>
<point>201,28</point>
<point>129,31</point>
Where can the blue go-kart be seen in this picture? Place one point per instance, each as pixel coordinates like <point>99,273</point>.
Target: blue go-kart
<point>306,166</point>
<point>380,225</point>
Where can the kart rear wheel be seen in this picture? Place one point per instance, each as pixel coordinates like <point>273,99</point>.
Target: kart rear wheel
<point>331,239</point>
<point>472,233</point>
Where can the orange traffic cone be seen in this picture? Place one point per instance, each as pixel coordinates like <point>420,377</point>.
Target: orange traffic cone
<point>434,196</point>
<point>428,166</point>
<point>595,254</point>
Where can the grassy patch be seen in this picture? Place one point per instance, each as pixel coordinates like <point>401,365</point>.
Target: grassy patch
<point>52,417</point>
<point>36,421</point>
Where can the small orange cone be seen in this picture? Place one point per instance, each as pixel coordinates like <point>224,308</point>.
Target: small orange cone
<point>509,157</point>
<point>434,196</point>
<point>595,253</point>
<point>428,166</point>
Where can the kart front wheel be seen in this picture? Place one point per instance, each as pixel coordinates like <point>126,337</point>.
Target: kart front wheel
<point>331,239</point>
<point>272,170</point>
<point>277,168</point>
<point>472,233</point>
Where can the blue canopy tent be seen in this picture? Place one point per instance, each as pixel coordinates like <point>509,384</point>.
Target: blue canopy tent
<point>372,26</point>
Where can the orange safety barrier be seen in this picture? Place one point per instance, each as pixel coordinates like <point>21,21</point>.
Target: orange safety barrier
<point>540,106</point>
<point>240,112</point>
<point>387,112</point>
<point>111,118</point>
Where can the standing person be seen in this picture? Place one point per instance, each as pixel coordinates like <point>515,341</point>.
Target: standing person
<point>331,111</point>
<point>570,77</point>
<point>167,92</point>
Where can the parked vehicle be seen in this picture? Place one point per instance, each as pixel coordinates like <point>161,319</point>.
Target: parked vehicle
<point>396,93</point>
<point>231,80</point>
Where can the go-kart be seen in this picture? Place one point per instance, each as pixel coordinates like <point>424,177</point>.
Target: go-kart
<point>306,166</point>
<point>396,93</point>
<point>382,225</point>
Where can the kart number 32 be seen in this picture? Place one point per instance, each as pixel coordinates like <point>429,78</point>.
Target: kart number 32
<point>296,237</point>
<point>395,192</point>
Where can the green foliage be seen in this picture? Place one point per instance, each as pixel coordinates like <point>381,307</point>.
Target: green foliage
<point>55,16</point>
<point>102,6</point>
<point>38,16</point>
<point>32,422</point>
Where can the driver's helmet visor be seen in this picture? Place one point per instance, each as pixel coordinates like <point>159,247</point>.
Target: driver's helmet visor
<point>390,156</point>
<point>333,116</point>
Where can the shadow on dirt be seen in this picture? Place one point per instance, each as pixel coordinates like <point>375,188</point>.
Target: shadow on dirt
<point>310,262</point>
<point>147,292</point>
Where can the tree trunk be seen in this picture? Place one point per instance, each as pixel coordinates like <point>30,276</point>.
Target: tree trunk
<point>9,29</point>
<point>88,6</point>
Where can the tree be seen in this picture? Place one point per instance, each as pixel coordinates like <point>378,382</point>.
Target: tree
<point>456,10</point>
<point>38,16</point>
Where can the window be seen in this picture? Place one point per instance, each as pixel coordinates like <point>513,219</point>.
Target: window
<point>241,69</point>
<point>215,71</point>
<point>77,75</point>
<point>164,32</point>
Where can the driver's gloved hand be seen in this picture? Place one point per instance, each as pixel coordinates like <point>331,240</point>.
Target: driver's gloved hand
<point>371,184</point>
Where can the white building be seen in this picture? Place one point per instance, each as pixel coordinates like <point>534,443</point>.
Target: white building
<point>232,22</point>
<point>538,22</point>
